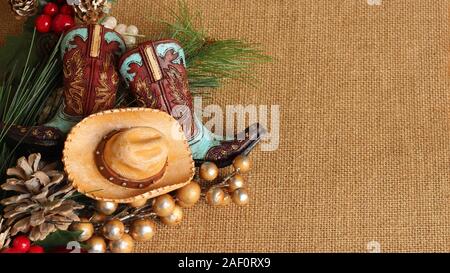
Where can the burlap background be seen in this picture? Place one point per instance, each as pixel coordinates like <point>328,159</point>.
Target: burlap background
<point>365,147</point>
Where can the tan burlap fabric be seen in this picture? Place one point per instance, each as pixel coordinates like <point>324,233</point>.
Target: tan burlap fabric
<point>365,149</point>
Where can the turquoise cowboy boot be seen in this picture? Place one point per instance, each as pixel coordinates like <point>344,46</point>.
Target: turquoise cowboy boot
<point>89,54</point>
<point>156,74</point>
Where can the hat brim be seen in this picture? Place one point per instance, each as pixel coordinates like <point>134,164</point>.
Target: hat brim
<point>81,143</point>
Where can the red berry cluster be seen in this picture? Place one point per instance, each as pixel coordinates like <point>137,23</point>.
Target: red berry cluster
<point>21,244</point>
<point>56,17</point>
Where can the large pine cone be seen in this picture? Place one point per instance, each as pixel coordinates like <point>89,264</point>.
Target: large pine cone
<point>5,237</point>
<point>42,204</point>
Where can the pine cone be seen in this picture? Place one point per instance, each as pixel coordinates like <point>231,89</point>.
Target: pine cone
<point>5,238</point>
<point>24,7</point>
<point>42,205</point>
<point>90,10</point>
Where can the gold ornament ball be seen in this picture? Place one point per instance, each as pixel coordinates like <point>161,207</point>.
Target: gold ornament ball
<point>113,230</point>
<point>163,205</point>
<point>226,199</point>
<point>240,197</point>
<point>98,218</point>
<point>174,218</point>
<point>142,230</point>
<point>96,244</point>
<point>138,204</point>
<point>209,171</point>
<point>85,227</point>
<point>215,196</point>
<point>106,207</point>
<point>124,245</point>
<point>236,182</point>
<point>189,194</point>
<point>242,163</point>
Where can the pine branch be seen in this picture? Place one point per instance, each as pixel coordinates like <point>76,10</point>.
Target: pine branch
<point>210,62</point>
<point>23,96</point>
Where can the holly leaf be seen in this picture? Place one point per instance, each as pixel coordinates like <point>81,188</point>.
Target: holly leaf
<point>60,238</point>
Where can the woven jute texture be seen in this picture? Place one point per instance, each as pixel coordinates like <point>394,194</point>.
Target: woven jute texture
<point>364,156</point>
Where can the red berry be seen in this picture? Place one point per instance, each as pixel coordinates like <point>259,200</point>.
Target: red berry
<point>51,9</point>
<point>36,249</point>
<point>21,243</point>
<point>10,251</point>
<point>62,22</point>
<point>43,23</point>
<point>67,10</point>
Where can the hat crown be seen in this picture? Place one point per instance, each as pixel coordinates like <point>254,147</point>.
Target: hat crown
<point>136,154</point>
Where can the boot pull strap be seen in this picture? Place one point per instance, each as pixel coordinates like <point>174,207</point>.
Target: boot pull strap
<point>151,62</point>
<point>96,41</point>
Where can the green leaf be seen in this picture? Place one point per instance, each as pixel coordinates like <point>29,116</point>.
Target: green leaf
<point>59,238</point>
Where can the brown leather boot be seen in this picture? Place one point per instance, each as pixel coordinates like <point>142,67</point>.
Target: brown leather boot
<point>156,74</point>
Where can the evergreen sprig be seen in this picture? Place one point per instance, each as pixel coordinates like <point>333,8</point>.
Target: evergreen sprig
<point>210,61</point>
<point>23,95</point>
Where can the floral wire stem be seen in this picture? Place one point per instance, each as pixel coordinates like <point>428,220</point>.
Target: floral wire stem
<point>131,217</point>
<point>222,184</point>
<point>125,215</point>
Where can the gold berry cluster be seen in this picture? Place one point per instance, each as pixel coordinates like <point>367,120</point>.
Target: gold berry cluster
<point>232,188</point>
<point>116,228</point>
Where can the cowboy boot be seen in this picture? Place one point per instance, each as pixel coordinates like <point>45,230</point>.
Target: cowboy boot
<point>156,74</point>
<point>89,54</point>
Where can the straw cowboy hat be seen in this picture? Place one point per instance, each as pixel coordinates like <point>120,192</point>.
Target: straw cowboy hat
<point>124,155</point>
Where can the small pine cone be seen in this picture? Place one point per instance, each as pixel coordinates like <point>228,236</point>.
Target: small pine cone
<point>90,10</point>
<point>24,8</point>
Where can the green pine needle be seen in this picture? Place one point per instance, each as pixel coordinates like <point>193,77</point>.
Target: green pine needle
<point>23,95</point>
<point>210,62</point>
